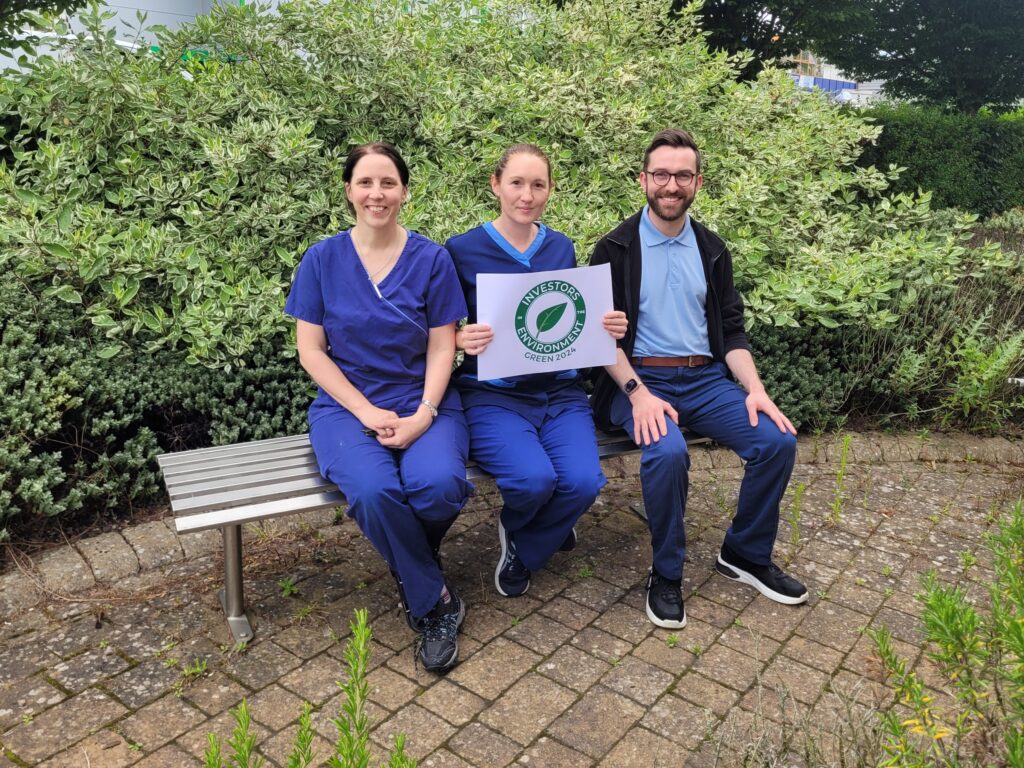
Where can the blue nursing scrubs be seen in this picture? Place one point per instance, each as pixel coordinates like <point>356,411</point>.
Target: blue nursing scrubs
<point>377,336</point>
<point>533,433</point>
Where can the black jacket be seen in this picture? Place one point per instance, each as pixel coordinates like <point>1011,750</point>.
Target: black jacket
<point>724,306</point>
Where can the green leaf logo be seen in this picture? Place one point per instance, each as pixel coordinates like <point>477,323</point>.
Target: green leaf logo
<point>548,318</point>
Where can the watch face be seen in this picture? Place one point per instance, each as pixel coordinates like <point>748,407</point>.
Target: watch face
<point>631,386</point>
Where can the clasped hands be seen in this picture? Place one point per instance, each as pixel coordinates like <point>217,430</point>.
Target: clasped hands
<point>392,430</point>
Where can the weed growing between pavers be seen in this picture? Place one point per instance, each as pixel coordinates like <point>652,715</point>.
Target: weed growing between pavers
<point>352,746</point>
<point>979,654</point>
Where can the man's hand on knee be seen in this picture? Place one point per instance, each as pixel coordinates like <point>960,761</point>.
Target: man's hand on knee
<point>649,412</point>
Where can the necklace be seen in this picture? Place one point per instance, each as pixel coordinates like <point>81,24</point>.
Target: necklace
<point>361,250</point>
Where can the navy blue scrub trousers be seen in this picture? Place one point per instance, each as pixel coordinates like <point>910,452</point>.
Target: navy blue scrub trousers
<point>398,497</point>
<point>711,404</point>
<point>542,454</point>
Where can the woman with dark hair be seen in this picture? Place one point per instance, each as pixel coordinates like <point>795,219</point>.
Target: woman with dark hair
<point>375,309</point>
<point>533,433</point>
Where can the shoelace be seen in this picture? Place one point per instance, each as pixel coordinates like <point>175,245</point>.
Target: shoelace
<point>516,568</point>
<point>441,627</point>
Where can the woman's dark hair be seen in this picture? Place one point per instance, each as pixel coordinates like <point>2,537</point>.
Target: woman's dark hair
<point>375,148</point>
<point>525,149</point>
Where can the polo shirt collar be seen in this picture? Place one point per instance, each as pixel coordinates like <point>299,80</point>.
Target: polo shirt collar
<point>651,236</point>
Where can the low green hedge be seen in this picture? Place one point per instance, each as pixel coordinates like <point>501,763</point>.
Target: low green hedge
<point>971,162</point>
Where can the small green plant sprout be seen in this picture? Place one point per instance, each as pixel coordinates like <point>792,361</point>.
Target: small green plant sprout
<point>134,746</point>
<point>968,559</point>
<point>836,515</point>
<point>170,661</point>
<point>516,621</point>
<point>796,513</point>
<point>287,586</point>
<point>887,571</point>
<point>27,718</point>
<point>195,670</point>
<point>696,649</point>
<point>672,641</point>
<point>860,581</point>
<point>584,569</point>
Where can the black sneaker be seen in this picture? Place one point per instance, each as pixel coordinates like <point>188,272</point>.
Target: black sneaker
<point>665,601</point>
<point>439,633</point>
<point>511,576</point>
<point>570,542</point>
<point>770,580</point>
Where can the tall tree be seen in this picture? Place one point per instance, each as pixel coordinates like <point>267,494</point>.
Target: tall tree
<point>770,29</point>
<point>16,14</point>
<point>962,53</point>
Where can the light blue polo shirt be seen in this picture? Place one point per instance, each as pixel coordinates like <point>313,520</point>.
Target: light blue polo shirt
<point>673,293</point>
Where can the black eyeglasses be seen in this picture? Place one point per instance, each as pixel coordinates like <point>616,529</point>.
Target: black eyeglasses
<point>683,178</point>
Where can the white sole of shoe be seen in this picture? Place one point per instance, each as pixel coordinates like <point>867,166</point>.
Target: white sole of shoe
<point>503,540</point>
<point>664,623</point>
<point>747,578</point>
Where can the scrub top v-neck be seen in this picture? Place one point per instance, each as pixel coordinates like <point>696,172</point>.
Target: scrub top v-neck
<point>377,334</point>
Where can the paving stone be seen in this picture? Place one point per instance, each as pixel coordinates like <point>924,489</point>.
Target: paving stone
<point>170,756</point>
<point>275,707</point>
<point>773,619</point>
<point>569,613</point>
<point>214,693</point>
<point>200,543</point>
<point>64,571</point>
<point>547,753</point>
<point>65,724</point>
<point>153,544</point>
<point>160,722</point>
<point>527,708</point>
<point>279,746</point>
<point>594,593</point>
<point>304,640</point>
<point>485,622</point>
<point>574,668</point>
<point>24,659</point>
<point>628,623</point>
<point>599,643</point>
<point>26,698</point>
<point>390,689</point>
<point>323,719</point>
<point>798,680</point>
<point>424,731</point>
<point>642,749</point>
<point>746,640</point>
<point>144,683</point>
<point>104,749</point>
<point>903,627</point>
<point>456,705</point>
<point>816,655</point>
<point>442,758</point>
<point>222,726</point>
<point>79,672</point>
<point>675,658</point>
<point>17,593</point>
<point>735,669</point>
<point>680,721</point>
<point>261,664</point>
<point>595,723</point>
<point>482,747</point>
<point>640,681</point>
<point>316,680</point>
<point>494,668</point>
<point>716,614</point>
<point>109,556</point>
<point>539,633</point>
<point>703,692</point>
<point>833,625</point>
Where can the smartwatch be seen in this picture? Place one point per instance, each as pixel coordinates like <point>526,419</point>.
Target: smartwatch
<point>630,387</point>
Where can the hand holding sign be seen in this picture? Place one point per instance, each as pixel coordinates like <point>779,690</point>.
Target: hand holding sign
<point>545,321</point>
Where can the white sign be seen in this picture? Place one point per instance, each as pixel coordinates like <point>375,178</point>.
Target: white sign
<point>545,321</point>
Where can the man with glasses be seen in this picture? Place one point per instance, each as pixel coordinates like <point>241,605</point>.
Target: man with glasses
<point>675,368</point>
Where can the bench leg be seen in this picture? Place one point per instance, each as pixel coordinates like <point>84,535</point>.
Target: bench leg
<point>232,597</point>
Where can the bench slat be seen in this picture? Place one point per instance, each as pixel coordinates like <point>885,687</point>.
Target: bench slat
<point>253,512</point>
<point>236,449</point>
<point>226,462</point>
<point>297,462</point>
<point>269,492</point>
<point>256,479</point>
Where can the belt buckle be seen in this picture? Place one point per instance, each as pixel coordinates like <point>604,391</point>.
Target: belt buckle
<point>689,361</point>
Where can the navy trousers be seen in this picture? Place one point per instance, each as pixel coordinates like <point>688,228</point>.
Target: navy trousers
<point>712,405</point>
<point>399,498</point>
<point>543,457</point>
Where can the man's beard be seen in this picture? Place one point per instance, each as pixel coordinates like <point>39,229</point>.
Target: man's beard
<point>672,214</point>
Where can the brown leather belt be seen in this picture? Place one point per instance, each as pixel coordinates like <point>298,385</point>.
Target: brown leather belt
<point>689,361</point>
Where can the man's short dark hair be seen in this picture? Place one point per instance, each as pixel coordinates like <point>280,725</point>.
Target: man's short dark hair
<point>672,137</point>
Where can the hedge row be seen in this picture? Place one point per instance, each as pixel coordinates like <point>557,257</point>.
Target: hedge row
<point>971,162</point>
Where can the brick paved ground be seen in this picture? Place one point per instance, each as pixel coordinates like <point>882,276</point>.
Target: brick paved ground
<point>572,674</point>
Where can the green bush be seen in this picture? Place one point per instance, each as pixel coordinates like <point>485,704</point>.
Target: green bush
<point>153,208</point>
<point>971,162</point>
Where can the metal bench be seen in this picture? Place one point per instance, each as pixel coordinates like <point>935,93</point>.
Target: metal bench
<point>226,486</point>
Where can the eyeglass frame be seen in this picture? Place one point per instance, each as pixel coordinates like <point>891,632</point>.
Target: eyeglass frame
<point>670,175</point>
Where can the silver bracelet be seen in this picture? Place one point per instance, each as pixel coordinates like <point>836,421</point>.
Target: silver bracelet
<point>430,407</point>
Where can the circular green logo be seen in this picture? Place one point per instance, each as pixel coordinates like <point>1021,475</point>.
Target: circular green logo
<point>550,317</point>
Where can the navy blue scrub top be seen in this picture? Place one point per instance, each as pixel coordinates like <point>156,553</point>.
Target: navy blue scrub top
<point>484,250</point>
<point>377,335</point>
